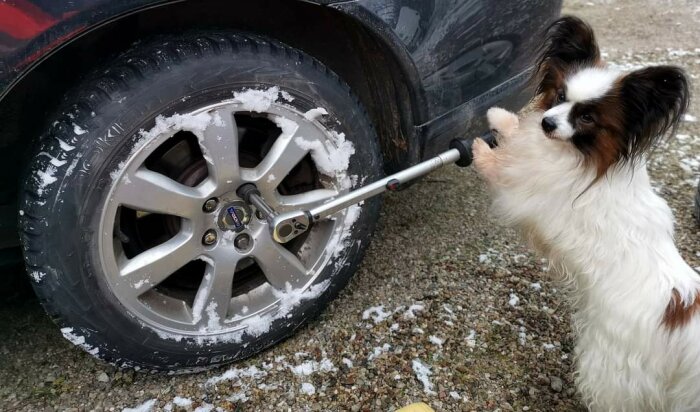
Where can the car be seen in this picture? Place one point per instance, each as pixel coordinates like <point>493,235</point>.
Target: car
<point>129,125</point>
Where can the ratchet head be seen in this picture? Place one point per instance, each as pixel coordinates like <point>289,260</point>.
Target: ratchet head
<point>286,226</point>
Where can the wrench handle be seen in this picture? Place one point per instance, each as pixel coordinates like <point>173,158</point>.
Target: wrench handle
<point>464,146</point>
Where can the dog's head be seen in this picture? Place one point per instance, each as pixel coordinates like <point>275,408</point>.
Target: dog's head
<point>608,116</point>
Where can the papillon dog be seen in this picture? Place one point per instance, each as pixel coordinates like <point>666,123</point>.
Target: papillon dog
<point>572,177</point>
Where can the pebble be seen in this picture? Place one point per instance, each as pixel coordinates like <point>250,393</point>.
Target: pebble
<point>556,383</point>
<point>102,377</point>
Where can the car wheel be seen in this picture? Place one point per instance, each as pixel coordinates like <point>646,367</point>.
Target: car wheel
<point>131,228</point>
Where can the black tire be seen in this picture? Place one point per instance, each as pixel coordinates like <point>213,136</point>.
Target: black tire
<point>67,179</point>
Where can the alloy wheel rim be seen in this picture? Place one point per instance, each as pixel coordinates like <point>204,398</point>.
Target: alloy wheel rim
<point>214,310</point>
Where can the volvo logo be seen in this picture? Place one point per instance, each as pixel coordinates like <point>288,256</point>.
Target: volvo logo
<point>234,216</point>
<point>237,222</point>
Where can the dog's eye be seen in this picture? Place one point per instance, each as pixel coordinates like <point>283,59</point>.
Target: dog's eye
<point>586,118</point>
<point>561,97</point>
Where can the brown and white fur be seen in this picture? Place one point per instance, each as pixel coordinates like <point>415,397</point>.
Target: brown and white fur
<point>572,176</point>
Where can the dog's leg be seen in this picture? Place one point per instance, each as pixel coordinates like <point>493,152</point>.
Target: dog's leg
<point>505,123</point>
<point>486,160</point>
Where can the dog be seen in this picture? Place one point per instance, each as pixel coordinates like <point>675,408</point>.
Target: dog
<point>572,176</point>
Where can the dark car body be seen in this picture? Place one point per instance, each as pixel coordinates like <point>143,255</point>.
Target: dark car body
<point>425,69</point>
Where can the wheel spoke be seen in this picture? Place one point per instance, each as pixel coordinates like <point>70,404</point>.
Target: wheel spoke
<point>279,265</point>
<point>220,147</point>
<point>304,201</point>
<point>285,153</point>
<point>149,268</point>
<point>213,298</point>
<point>153,192</point>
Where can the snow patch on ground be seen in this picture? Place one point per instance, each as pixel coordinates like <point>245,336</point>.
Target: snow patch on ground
<point>411,311</point>
<point>690,164</point>
<point>514,300</point>
<point>238,397</point>
<point>307,389</point>
<point>377,313</point>
<point>423,373</point>
<point>248,378</point>
<point>235,374</point>
<point>448,309</point>
<point>206,407</point>
<point>471,338</point>
<point>182,402</point>
<point>629,60</point>
<point>435,340</point>
<point>144,407</point>
<point>522,336</point>
<point>378,351</point>
<point>494,258</point>
<point>306,368</point>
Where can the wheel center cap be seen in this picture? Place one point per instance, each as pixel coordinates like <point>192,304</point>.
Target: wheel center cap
<point>234,216</point>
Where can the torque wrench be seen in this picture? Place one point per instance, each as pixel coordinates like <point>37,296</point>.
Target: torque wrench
<point>288,225</point>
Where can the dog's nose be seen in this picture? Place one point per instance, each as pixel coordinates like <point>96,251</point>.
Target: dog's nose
<point>548,124</point>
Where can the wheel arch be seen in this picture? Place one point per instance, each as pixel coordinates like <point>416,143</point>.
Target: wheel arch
<point>350,41</point>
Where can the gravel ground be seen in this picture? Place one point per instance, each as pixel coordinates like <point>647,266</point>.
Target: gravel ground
<point>490,329</point>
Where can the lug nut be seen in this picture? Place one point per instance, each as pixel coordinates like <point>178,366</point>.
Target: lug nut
<point>209,237</point>
<point>210,205</point>
<point>242,241</point>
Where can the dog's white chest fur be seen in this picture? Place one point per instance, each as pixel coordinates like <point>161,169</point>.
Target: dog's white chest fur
<point>613,244</point>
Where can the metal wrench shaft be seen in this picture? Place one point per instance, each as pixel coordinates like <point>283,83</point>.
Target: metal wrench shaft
<point>287,226</point>
<point>392,182</point>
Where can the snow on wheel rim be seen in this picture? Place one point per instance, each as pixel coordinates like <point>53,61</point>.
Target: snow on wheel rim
<point>215,314</point>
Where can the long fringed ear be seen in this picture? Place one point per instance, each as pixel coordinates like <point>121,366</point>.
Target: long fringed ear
<point>653,99</point>
<point>568,42</point>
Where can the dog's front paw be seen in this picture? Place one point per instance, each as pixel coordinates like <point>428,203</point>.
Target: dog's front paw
<point>502,121</point>
<point>485,161</point>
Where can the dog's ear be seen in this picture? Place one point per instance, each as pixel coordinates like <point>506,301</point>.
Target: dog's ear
<point>568,42</point>
<point>653,101</point>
